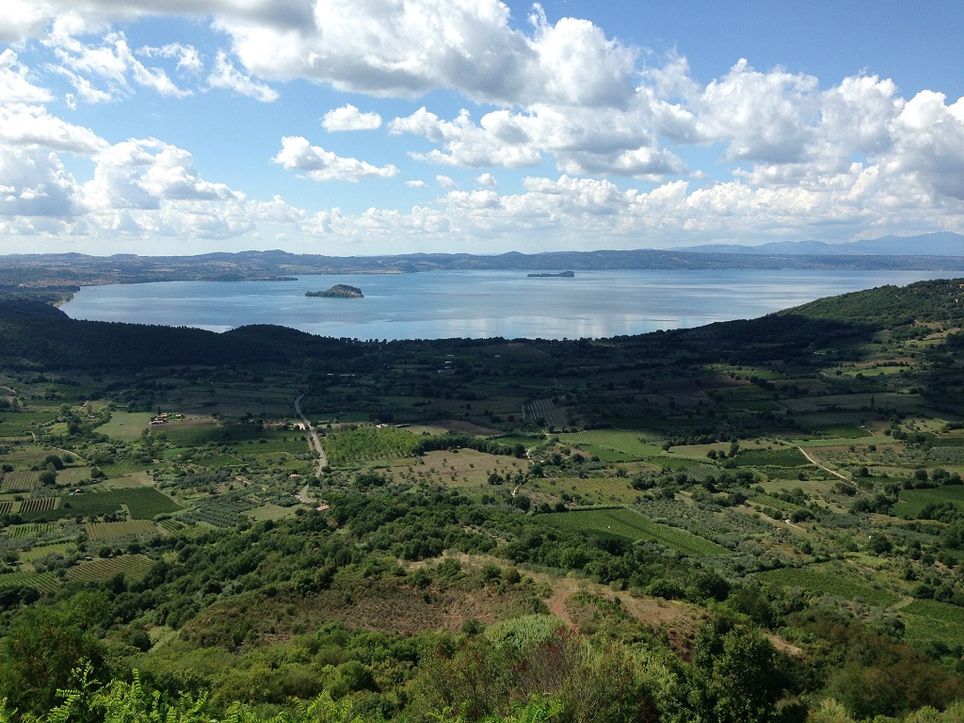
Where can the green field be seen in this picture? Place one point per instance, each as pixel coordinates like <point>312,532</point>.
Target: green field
<point>623,522</point>
<point>20,424</point>
<point>142,502</point>
<point>126,426</point>
<point>130,566</point>
<point>911,502</point>
<point>124,530</point>
<point>43,581</point>
<point>219,512</point>
<point>932,620</point>
<point>828,580</point>
<point>22,532</point>
<point>363,444</point>
<point>613,445</point>
<point>779,457</point>
<point>42,551</point>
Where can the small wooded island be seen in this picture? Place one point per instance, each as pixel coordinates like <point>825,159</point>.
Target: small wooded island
<point>560,275</point>
<point>339,291</point>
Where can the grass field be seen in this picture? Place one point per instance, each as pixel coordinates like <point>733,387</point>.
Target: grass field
<point>130,566</point>
<point>828,580</point>
<point>115,531</point>
<point>466,468</point>
<point>362,444</point>
<point>272,512</point>
<point>613,445</point>
<point>911,502</point>
<point>125,426</point>
<point>622,522</point>
<point>43,581</point>
<point>71,476</point>
<point>600,490</point>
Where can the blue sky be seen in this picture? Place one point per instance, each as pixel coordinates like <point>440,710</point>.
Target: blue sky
<point>190,126</point>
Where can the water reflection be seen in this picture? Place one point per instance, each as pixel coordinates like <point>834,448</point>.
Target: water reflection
<point>478,304</point>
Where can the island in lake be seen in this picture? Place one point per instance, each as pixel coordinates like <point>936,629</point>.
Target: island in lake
<point>560,275</point>
<point>339,291</point>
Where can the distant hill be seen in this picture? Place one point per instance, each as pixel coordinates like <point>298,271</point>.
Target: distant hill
<point>62,271</point>
<point>941,243</point>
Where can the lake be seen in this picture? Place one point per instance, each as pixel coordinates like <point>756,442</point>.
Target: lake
<point>478,304</point>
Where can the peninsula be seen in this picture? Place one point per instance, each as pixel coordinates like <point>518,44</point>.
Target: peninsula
<point>339,291</point>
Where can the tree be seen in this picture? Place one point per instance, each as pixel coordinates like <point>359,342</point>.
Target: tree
<point>737,677</point>
<point>44,644</point>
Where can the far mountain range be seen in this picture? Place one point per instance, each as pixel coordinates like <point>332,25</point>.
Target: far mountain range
<point>941,243</point>
<point>943,251</point>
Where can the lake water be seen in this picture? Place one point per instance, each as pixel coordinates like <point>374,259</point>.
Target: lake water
<point>478,304</point>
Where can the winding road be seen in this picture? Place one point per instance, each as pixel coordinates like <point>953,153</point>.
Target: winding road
<point>313,440</point>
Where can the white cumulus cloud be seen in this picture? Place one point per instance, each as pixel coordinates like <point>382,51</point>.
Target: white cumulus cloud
<point>349,118</point>
<point>314,162</point>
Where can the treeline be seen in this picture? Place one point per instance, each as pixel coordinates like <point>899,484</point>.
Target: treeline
<point>452,441</point>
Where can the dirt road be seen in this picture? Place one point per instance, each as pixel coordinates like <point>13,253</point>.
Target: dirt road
<point>812,461</point>
<point>313,441</point>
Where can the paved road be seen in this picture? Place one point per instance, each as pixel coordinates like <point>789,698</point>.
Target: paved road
<point>313,440</point>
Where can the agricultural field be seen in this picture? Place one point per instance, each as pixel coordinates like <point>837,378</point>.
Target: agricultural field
<point>22,424</point>
<point>113,532</point>
<point>465,469</point>
<point>831,580</point>
<point>928,620</point>
<point>20,481</point>
<point>71,476</point>
<point>613,445</point>
<point>133,567</point>
<point>622,522</point>
<point>143,503</point>
<point>912,502</point>
<point>363,444</point>
<point>219,512</point>
<point>126,426</point>
<point>267,512</point>
<point>587,490</point>
<point>30,531</point>
<point>545,413</point>
<point>38,507</point>
<point>779,457</point>
<point>39,552</point>
<point>42,581</point>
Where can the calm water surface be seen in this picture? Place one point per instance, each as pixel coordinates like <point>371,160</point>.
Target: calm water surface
<point>478,304</point>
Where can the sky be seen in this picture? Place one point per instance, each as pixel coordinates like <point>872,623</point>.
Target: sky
<point>356,127</point>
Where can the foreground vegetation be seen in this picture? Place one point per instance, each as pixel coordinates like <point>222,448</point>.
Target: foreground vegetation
<point>749,521</point>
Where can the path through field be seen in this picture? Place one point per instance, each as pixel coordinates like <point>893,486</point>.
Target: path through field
<point>822,466</point>
<point>313,440</point>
